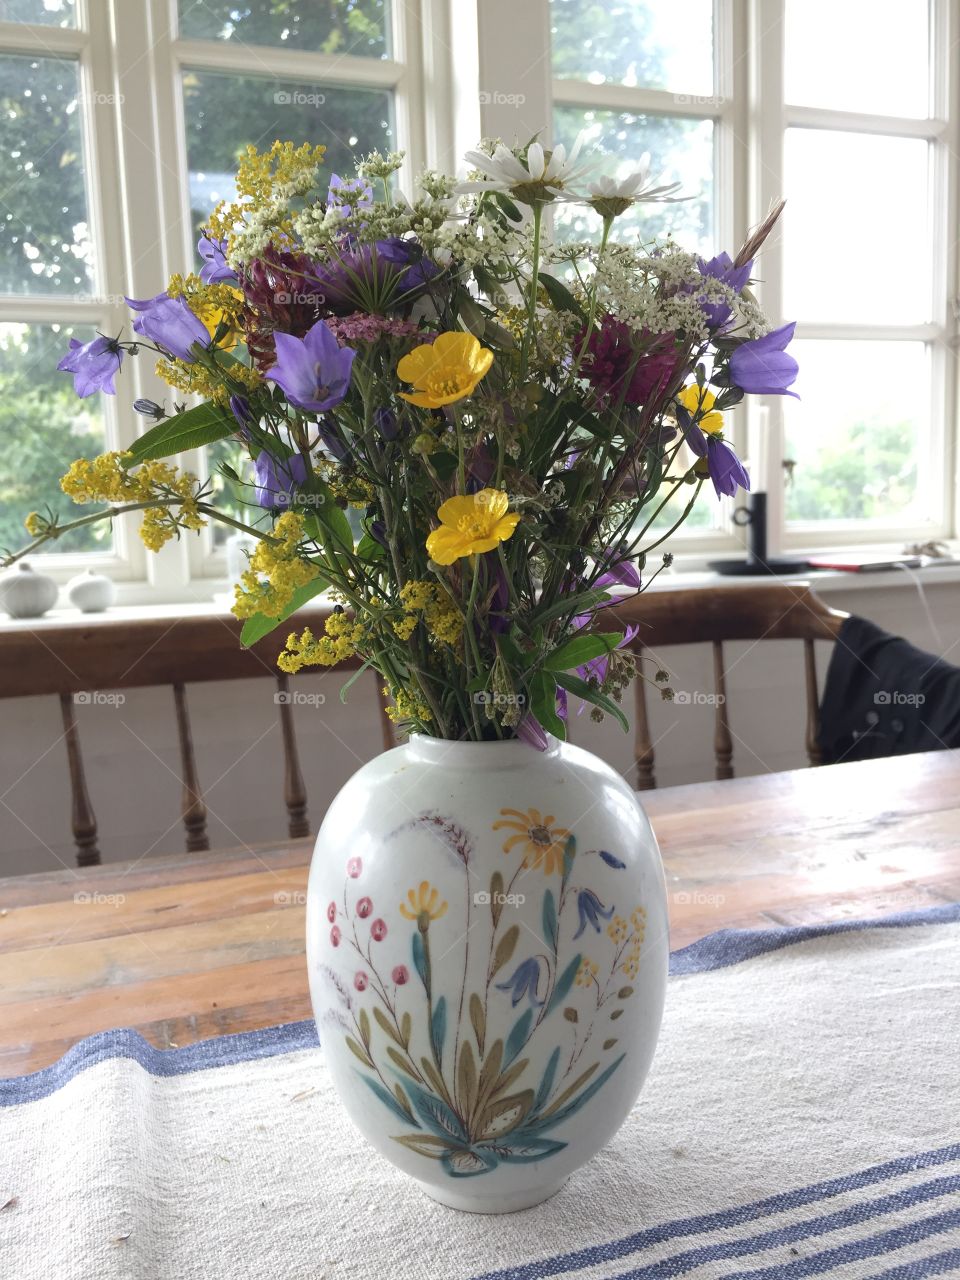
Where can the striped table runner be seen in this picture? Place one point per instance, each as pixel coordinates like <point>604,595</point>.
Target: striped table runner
<point>802,1118</point>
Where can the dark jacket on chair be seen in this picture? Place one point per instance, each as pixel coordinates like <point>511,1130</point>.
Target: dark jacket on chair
<point>884,697</point>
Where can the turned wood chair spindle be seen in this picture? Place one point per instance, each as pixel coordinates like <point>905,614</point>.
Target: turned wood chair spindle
<point>82,819</point>
<point>118,654</point>
<point>294,787</point>
<point>192,807</point>
<point>774,611</point>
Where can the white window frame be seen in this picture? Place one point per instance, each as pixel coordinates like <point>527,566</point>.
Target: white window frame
<point>942,132</point>
<point>459,70</point>
<point>103,307</point>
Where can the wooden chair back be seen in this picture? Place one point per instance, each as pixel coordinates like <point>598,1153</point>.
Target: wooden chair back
<point>117,654</point>
<point>774,611</point>
<point>114,654</point>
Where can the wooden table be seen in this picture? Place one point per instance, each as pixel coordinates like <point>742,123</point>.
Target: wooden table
<point>196,945</point>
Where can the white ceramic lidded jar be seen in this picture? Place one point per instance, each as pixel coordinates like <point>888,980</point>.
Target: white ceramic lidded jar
<point>26,594</point>
<point>487,948</point>
<point>91,592</point>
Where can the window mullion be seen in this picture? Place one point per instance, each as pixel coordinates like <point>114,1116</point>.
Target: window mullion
<point>767,18</point>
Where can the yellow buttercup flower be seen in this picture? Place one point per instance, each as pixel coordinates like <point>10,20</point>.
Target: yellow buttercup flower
<point>445,370</point>
<point>423,904</point>
<point>470,525</point>
<point>212,315</point>
<point>698,399</point>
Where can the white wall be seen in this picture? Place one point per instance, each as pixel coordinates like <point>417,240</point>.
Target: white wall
<point>130,749</point>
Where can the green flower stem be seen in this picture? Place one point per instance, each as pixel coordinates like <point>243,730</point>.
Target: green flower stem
<point>534,283</point>
<point>109,513</point>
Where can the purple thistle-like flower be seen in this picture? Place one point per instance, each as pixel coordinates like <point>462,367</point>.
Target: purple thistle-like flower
<point>171,324</point>
<point>215,269</point>
<point>523,982</point>
<point>762,366</point>
<point>313,371</point>
<point>277,479</point>
<point>590,911</point>
<point>94,365</point>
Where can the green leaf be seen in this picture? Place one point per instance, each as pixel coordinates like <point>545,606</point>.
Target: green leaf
<point>518,1036</point>
<point>581,649</point>
<point>573,684</point>
<point>508,207</point>
<point>584,602</point>
<point>564,983</point>
<point>549,920</point>
<point>438,1027</point>
<point>387,1099</point>
<point>560,295</point>
<point>255,628</point>
<point>326,522</point>
<point>543,703</point>
<point>368,548</point>
<point>206,424</point>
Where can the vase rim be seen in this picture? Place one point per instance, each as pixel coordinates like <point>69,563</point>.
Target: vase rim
<point>497,754</point>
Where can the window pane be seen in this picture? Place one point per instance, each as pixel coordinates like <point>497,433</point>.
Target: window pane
<point>858,433</point>
<point>47,13</point>
<point>656,44</point>
<point>44,425</point>
<point>44,236</point>
<point>224,113</point>
<point>357,27</point>
<point>839,243</point>
<point>681,151</point>
<point>861,55</point>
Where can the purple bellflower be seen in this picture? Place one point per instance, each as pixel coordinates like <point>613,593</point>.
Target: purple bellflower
<point>278,479</point>
<point>215,269</point>
<point>762,367</point>
<point>94,365</point>
<point>723,466</point>
<point>314,371</point>
<point>590,911</point>
<point>524,981</point>
<point>171,324</point>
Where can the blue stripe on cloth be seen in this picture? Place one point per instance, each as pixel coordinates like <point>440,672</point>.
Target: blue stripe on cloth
<point>246,1046</point>
<point>732,946</point>
<point>849,1216</point>
<point>855,1251</point>
<point>716,951</point>
<point>935,1265</point>
<point>740,1215</point>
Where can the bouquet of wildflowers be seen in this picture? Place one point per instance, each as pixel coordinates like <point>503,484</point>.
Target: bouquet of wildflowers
<point>507,419</point>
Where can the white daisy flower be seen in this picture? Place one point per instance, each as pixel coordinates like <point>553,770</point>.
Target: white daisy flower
<point>543,176</point>
<point>613,196</point>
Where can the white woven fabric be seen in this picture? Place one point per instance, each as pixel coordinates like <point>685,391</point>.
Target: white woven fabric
<point>835,1058</point>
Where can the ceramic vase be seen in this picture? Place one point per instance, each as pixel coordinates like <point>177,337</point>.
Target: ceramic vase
<point>25,593</point>
<point>487,948</point>
<point>91,592</point>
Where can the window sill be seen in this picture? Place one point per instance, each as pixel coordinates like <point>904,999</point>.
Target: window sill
<point>690,577</point>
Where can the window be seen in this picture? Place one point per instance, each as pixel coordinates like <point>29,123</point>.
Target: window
<point>121,123</point>
<point>120,127</point>
<point>865,446</point>
<point>52,279</point>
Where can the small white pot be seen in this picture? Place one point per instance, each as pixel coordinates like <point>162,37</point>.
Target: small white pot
<point>487,948</point>
<point>25,594</point>
<point>91,592</point>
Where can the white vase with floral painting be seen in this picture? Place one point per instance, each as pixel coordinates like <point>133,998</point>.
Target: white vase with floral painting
<point>487,944</point>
